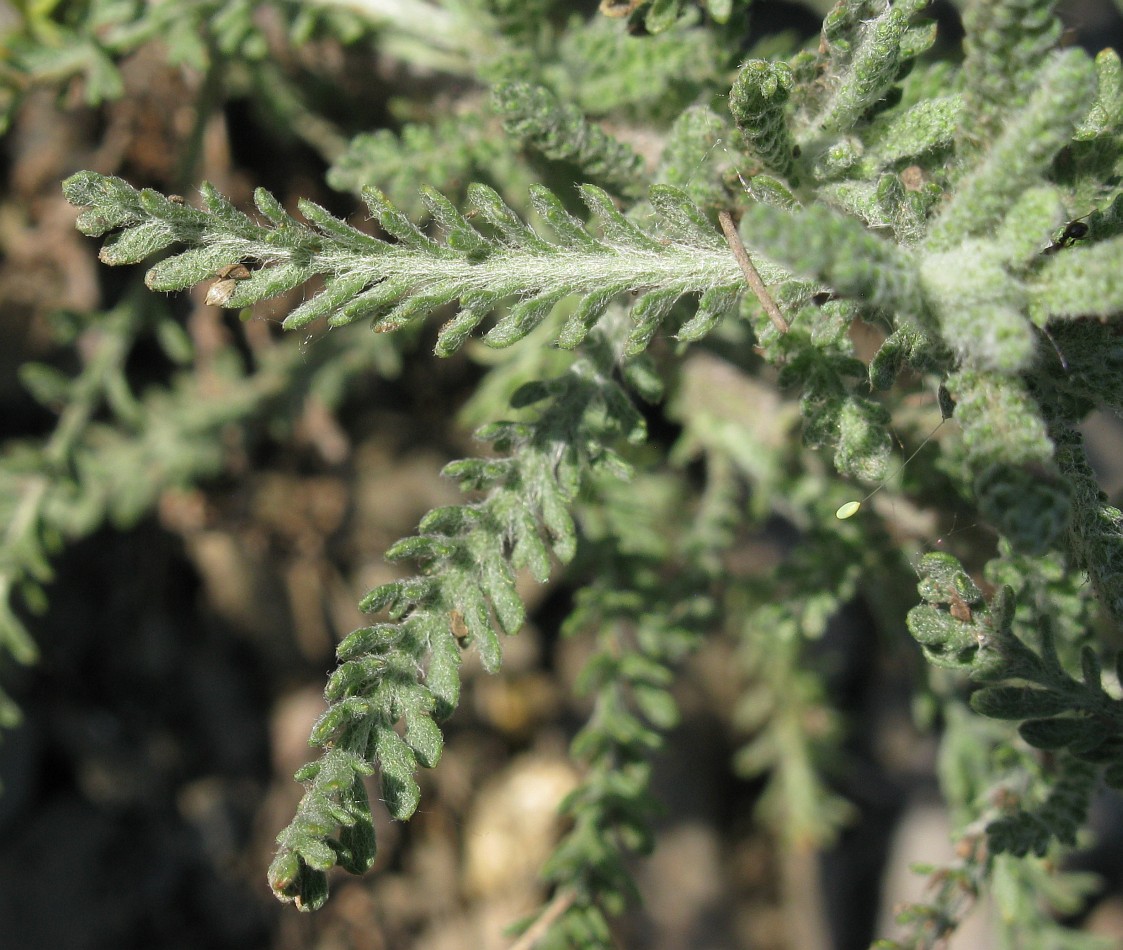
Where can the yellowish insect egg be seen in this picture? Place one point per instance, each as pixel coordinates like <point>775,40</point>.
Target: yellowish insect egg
<point>851,508</point>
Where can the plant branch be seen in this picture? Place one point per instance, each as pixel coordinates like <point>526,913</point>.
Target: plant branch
<point>752,277</point>
<point>561,902</point>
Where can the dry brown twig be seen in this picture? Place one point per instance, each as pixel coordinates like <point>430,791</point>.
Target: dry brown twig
<point>752,276</point>
<point>562,901</point>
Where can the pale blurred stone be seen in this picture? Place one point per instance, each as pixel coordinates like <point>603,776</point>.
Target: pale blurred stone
<point>924,837</point>
<point>513,826</point>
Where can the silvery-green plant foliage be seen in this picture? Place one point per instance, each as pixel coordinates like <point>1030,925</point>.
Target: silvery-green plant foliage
<point>965,214</point>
